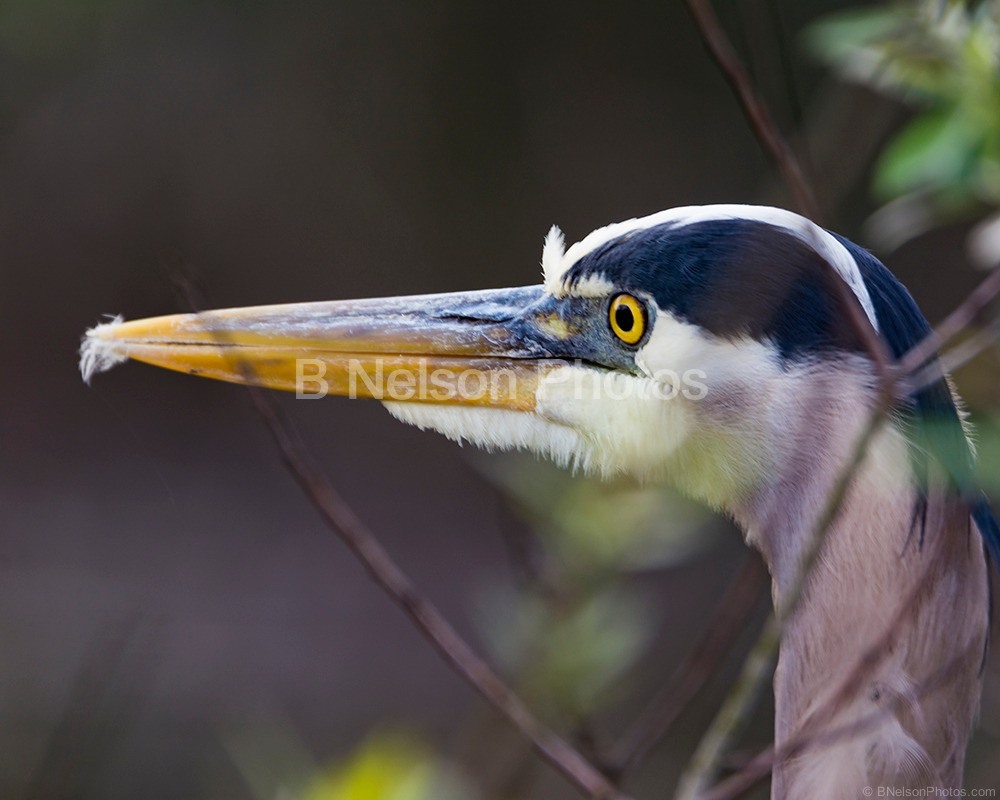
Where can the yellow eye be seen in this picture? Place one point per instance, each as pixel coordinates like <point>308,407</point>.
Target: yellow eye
<point>628,318</point>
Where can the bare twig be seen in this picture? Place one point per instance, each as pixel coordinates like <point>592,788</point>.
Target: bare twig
<point>736,709</point>
<point>424,615</point>
<point>732,718</point>
<point>753,106</point>
<point>731,614</point>
<point>956,357</point>
<point>735,712</point>
<point>763,764</point>
<point>967,312</point>
<point>782,39</point>
<point>98,713</point>
<point>777,148</point>
<point>706,763</point>
<point>812,732</point>
<point>874,345</point>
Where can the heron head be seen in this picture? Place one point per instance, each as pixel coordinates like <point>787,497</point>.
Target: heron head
<point>662,347</point>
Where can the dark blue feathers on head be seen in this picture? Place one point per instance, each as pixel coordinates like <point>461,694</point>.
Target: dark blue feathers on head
<point>733,278</point>
<point>747,278</point>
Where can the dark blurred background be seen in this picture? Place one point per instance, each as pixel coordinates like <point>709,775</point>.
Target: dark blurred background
<point>174,619</point>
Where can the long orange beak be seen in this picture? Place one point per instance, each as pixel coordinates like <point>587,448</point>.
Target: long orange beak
<point>476,348</point>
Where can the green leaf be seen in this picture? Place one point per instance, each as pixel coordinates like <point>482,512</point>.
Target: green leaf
<point>388,767</point>
<point>937,150</point>
<point>836,38</point>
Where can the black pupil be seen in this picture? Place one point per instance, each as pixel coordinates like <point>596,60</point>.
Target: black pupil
<point>624,318</point>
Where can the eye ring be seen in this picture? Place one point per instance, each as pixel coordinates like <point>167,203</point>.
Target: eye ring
<point>627,317</point>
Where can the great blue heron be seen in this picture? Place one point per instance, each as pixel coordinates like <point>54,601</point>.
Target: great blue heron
<point>706,347</point>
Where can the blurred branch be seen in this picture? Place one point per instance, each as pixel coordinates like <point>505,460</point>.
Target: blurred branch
<point>424,615</point>
<point>527,561</point>
<point>967,312</point>
<point>757,113</point>
<point>738,706</point>
<point>782,39</point>
<point>731,614</point>
<point>707,761</point>
<point>958,356</point>
<point>100,705</point>
<point>838,113</point>
<point>708,758</point>
<point>762,765</point>
<point>812,732</point>
<point>776,146</point>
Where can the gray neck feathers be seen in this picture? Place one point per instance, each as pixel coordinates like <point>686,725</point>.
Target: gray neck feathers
<point>872,561</point>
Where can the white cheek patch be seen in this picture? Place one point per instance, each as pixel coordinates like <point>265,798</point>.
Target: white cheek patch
<point>730,392</point>
<point>677,350</point>
<point>601,422</point>
<point>626,424</point>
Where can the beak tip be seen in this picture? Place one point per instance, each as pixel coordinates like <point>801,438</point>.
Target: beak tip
<point>100,349</point>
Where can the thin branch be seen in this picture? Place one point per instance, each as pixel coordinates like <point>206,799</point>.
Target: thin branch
<point>706,763</point>
<point>763,764</point>
<point>731,614</point>
<point>732,718</point>
<point>812,732</point>
<point>735,712</point>
<point>527,561</point>
<point>424,615</point>
<point>967,312</point>
<point>777,148</point>
<point>738,706</point>
<point>873,343</point>
<point>956,357</point>
<point>794,96</point>
<point>757,113</point>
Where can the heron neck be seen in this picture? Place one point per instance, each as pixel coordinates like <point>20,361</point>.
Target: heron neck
<point>871,524</point>
<point>853,597</point>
